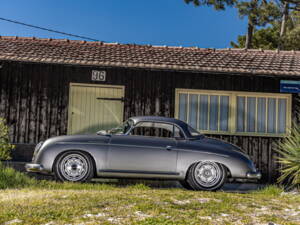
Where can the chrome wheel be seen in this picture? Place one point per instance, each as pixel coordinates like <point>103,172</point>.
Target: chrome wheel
<point>74,167</point>
<point>207,174</point>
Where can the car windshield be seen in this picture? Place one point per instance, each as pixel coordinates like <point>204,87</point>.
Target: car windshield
<point>193,132</point>
<point>121,129</point>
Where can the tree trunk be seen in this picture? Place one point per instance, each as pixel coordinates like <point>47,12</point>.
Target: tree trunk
<point>249,35</point>
<point>283,24</point>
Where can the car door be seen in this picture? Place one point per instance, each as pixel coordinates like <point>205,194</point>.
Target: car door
<point>140,153</point>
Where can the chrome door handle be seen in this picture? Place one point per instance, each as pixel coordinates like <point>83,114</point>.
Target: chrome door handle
<point>169,148</point>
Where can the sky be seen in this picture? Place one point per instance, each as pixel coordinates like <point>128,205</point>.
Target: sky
<point>155,22</point>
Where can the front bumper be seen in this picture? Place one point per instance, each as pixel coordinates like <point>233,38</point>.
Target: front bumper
<point>33,167</point>
<point>254,175</point>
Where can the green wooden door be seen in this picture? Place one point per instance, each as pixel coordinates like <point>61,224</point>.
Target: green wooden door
<point>94,107</point>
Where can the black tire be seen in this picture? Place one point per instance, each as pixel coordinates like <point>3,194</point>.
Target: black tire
<point>206,176</point>
<point>74,166</point>
<point>185,185</point>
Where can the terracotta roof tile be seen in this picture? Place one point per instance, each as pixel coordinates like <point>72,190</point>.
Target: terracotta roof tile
<point>146,56</point>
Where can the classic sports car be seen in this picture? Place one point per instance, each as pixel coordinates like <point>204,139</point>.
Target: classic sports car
<point>144,147</point>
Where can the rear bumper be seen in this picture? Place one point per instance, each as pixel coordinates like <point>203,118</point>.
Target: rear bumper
<point>254,175</point>
<point>35,168</point>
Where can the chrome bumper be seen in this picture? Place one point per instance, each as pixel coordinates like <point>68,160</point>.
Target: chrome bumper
<point>254,175</point>
<point>32,167</point>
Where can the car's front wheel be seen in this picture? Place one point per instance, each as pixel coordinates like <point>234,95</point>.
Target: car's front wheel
<point>74,166</point>
<point>206,175</point>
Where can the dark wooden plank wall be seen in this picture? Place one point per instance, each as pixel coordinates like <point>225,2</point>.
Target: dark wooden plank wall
<point>34,100</point>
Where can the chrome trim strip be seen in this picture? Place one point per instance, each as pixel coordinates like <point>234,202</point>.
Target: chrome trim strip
<point>254,175</point>
<point>32,167</point>
<point>139,172</point>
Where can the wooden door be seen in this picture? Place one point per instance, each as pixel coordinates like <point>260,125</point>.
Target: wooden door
<point>94,107</point>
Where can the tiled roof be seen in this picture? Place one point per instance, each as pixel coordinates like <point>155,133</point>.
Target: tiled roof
<point>147,56</point>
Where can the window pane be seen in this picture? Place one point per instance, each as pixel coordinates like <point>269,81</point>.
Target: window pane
<point>271,115</point>
<point>224,105</point>
<point>178,133</point>
<point>153,129</point>
<point>213,112</point>
<point>203,112</point>
<point>182,106</point>
<point>281,115</point>
<point>261,115</point>
<point>193,104</point>
<point>240,114</point>
<point>251,114</point>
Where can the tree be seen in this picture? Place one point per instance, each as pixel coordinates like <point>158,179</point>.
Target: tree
<point>217,4</point>
<point>271,37</point>
<point>259,12</point>
<point>286,6</point>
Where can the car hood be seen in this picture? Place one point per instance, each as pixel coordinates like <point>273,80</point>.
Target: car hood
<point>78,139</point>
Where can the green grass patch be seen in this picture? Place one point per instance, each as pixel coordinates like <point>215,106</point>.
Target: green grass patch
<point>10,178</point>
<point>29,201</point>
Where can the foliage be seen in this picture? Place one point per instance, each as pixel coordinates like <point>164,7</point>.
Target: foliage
<point>260,12</point>
<point>217,4</point>
<point>289,150</point>
<point>10,178</point>
<point>5,146</point>
<point>268,38</point>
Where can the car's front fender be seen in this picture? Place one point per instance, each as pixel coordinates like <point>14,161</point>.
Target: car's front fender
<point>48,154</point>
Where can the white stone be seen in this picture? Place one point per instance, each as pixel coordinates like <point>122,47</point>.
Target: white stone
<point>184,202</point>
<point>205,217</point>
<point>141,214</point>
<point>13,221</point>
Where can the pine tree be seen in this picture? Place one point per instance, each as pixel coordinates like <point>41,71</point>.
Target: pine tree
<point>259,12</point>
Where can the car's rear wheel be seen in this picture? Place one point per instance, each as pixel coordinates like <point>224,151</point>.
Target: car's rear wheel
<point>74,166</point>
<point>207,176</point>
<point>185,185</point>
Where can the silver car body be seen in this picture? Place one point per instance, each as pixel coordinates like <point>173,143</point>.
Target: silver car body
<point>134,156</point>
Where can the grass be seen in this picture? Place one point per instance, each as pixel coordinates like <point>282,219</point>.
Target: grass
<point>47,202</point>
<point>9,178</point>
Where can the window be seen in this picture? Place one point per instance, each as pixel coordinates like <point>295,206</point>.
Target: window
<point>240,113</point>
<point>152,129</point>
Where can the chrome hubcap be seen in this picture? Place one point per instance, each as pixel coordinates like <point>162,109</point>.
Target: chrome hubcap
<point>74,167</point>
<point>207,174</point>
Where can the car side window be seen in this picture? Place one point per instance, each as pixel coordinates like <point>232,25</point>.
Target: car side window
<point>153,129</point>
<point>178,133</point>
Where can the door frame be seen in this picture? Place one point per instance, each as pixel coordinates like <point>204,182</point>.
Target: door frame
<point>122,87</point>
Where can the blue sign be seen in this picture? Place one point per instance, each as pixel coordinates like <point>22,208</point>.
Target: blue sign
<point>290,86</point>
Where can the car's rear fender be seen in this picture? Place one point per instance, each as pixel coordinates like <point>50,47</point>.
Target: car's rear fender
<point>237,167</point>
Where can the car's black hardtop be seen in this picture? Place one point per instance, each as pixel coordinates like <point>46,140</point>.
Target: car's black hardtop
<point>161,119</point>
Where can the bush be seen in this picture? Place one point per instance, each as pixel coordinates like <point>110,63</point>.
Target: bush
<point>10,178</point>
<point>5,146</point>
<point>289,149</point>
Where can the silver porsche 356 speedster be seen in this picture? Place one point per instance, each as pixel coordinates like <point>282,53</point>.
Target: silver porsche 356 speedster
<point>144,147</point>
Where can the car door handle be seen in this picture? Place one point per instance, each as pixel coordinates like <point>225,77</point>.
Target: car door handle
<point>169,148</point>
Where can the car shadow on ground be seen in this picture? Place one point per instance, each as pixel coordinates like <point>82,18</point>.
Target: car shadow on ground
<point>162,184</point>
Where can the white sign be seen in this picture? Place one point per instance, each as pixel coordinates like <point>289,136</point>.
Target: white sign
<point>98,75</point>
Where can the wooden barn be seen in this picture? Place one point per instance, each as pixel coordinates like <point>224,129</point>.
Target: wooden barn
<point>52,87</point>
